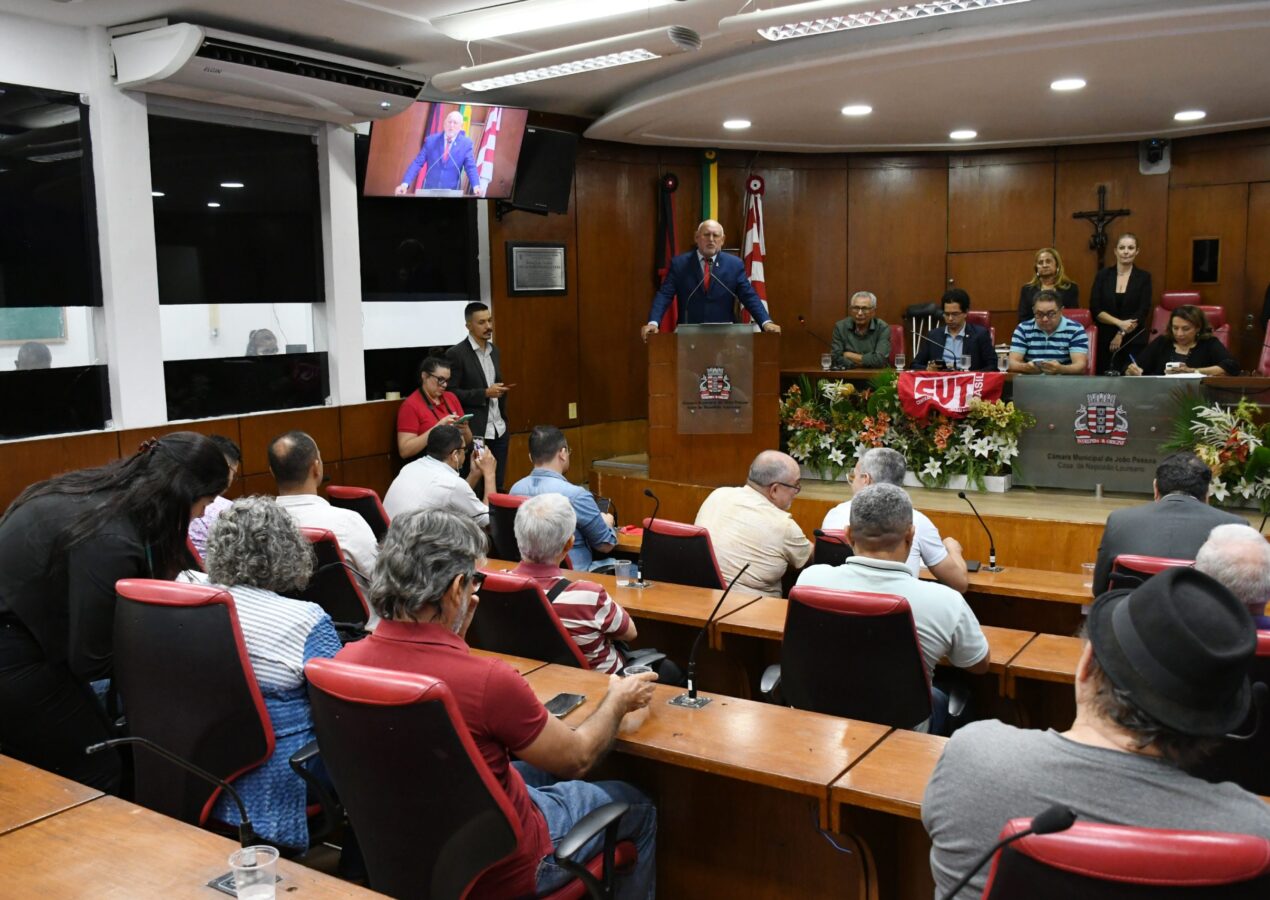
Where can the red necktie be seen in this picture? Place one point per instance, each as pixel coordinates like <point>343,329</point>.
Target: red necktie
<point>446,155</point>
<point>705,282</point>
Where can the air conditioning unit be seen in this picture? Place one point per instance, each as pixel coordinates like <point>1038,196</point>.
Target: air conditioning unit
<point>199,63</point>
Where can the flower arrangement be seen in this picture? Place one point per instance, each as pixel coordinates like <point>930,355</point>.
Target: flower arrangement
<point>830,427</point>
<point>1232,444</point>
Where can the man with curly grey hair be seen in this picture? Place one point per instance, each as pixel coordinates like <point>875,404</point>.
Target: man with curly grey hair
<point>425,589</point>
<point>257,552</point>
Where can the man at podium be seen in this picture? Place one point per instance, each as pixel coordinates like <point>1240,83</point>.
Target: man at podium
<point>708,282</point>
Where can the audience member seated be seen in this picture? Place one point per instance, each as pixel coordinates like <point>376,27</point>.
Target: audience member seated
<point>1174,526</point>
<point>1051,277</point>
<point>1049,343</point>
<point>862,341</point>
<point>296,465</point>
<point>33,355</point>
<point>751,524</point>
<point>256,551</point>
<point>433,482</point>
<point>431,405</point>
<point>958,338</point>
<point>203,524</point>
<point>594,537</point>
<point>1162,676</point>
<point>261,342</point>
<point>425,590</point>
<point>882,465</point>
<point>1239,557</point>
<point>64,543</point>
<point>1190,345</point>
<point>881,532</point>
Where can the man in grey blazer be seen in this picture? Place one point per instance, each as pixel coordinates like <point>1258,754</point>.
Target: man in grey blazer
<point>1175,525</point>
<point>476,379</point>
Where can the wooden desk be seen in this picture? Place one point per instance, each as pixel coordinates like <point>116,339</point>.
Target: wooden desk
<point>108,847</point>
<point>891,778</point>
<point>519,663</point>
<point>28,794</point>
<point>1032,584</point>
<point>1047,658</point>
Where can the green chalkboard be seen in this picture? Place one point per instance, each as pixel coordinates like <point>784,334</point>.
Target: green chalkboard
<point>32,323</point>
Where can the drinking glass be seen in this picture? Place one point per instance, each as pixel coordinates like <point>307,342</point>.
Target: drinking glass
<point>899,362</point>
<point>963,363</point>
<point>826,360</point>
<point>1003,362</point>
<point>255,871</point>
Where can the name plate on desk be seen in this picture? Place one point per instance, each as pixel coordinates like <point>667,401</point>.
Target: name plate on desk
<point>716,379</point>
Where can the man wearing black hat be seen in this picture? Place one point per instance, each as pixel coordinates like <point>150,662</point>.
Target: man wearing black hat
<point>1163,674</point>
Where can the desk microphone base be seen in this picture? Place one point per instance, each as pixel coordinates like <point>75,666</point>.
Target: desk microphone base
<point>993,569</point>
<point>689,702</point>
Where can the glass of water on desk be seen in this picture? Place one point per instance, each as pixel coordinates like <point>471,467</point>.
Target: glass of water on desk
<point>624,569</point>
<point>899,362</point>
<point>1003,362</point>
<point>826,360</point>
<point>255,872</point>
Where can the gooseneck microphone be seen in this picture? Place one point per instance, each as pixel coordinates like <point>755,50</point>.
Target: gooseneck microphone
<point>247,836</point>
<point>648,492</point>
<point>992,546</point>
<point>1124,344</point>
<point>803,322</point>
<point>1056,818</point>
<point>690,700</point>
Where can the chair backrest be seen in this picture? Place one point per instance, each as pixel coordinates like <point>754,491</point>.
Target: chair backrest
<point>1171,300</point>
<point>854,654</point>
<point>897,341</point>
<point>187,684</point>
<point>502,525</point>
<point>831,547</point>
<point>680,554</point>
<point>1091,335</point>
<point>516,617</point>
<point>1131,569</point>
<point>1263,364</point>
<point>333,586</point>
<point>1215,315</point>
<point>195,556</point>
<point>433,827</point>
<point>1093,861</point>
<point>364,502</point>
<point>1245,761</point>
<point>984,318</point>
<point>1079,315</point>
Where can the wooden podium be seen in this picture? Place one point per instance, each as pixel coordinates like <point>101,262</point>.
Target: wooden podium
<point>714,459</point>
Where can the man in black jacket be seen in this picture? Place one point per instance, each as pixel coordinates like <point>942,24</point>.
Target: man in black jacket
<point>476,379</point>
<point>958,338</point>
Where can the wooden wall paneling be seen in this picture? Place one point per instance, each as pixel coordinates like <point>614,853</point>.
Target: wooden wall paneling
<point>616,284</point>
<point>131,438</point>
<point>518,464</point>
<point>679,502</point>
<point>608,439</point>
<point>1221,159</point>
<point>686,166</point>
<point>897,221</point>
<point>368,429</point>
<point>1076,190</point>
<point>374,472</point>
<point>1001,202</point>
<point>993,281</point>
<point>396,144</point>
<point>23,463</point>
<point>1213,211</point>
<point>322,424</point>
<point>1256,271</point>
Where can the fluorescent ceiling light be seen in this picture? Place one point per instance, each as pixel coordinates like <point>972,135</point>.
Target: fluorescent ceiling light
<point>827,16</point>
<point>736,124</point>
<point>231,184</point>
<point>604,54</point>
<point>157,194</point>
<point>963,134</point>
<point>213,205</point>
<point>1067,84</point>
<point>857,109</point>
<point>1190,115</point>
<point>534,15</point>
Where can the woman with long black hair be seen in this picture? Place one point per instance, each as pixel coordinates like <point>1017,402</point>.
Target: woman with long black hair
<point>64,543</point>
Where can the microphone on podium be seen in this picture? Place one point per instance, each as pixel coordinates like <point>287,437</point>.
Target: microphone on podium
<point>992,547</point>
<point>690,700</point>
<point>1056,818</point>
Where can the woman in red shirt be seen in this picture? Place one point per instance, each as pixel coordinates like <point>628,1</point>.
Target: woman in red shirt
<point>428,407</point>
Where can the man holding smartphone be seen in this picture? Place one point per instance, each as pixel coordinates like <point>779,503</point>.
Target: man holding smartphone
<point>433,482</point>
<point>476,379</point>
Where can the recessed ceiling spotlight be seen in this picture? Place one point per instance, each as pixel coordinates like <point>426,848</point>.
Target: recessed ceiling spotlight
<point>157,194</point>
<point>231,184</point>
<point>1067,84</point>
<point>214,205</point>
<point>857,109</point>
<point>963,134</point>
<point>1190,115</point>
<point>736,124</point>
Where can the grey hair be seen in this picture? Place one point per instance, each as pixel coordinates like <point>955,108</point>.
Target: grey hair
<point>421,554</point>
<point>768,467</point>
<point>256,543</point>
<point>544,525</point>
<point>1239,557</point>
<point>881,515</point>
<point>873,298</point>
<point>883,466</point>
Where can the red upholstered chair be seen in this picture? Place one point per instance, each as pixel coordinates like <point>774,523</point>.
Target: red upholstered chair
<point>195,555</point>
<point>335,585</point>
<point>364,502</point>
<point>1215,315</point>
<point>1079,315</point>
<point>1094,861</point>
<point>897,342</point>
<point>1171,300</point>
<point>433,827</point>
<point>852,654</point>
<point>679,554</point>
<point>502,525</point>
<point>1091,334</point>
<point>1242,757</point>
<point>831,547</point>
<point>1263,364</point>
<point>984,318</point>
<point>515,617</point>
<point>1131,569</point>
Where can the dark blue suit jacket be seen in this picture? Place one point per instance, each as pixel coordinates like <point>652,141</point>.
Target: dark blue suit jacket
<point>697,305</point>
<point>443,173</point>
<point>977,344</point>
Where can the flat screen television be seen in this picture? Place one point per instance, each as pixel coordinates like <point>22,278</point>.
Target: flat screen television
<point>435,149</point>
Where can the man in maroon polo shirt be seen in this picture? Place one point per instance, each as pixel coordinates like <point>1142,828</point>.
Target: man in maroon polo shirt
<point>424,589</point>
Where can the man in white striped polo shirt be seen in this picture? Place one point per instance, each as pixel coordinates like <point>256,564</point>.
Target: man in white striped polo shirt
<point>1050,343</point>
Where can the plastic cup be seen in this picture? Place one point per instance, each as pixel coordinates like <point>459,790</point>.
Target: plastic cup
<point>1087,569</point>
<point>634,719</point>
<point>963,363</point>
<point>826,360</point>
<point>255,872</point>
<point>625,571</point>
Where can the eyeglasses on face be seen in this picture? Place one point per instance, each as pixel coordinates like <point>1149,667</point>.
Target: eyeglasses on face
<point>439,380</point>
<point>796,488</point>
<point>1048,314</point>
<point>476,579</point>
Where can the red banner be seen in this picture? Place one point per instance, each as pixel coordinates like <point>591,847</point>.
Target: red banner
<point>948,392</point>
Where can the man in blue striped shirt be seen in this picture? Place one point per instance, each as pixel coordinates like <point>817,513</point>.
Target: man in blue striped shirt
<point>1050,343</point>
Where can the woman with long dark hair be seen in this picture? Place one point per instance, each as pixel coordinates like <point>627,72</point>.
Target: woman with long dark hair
<point>1189,344</point>
<point>64,543</point>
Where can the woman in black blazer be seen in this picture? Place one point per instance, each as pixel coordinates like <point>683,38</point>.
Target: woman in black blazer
<point>1189,343</point>
<point>1048,266</point>
<point>1120,304</point>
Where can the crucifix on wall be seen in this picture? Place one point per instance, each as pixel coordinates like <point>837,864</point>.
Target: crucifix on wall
<point>1101,218</point>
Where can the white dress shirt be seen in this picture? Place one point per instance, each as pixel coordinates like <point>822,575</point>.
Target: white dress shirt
<point>494,425</point>
<point>355,537</point>
<point>429,483</point>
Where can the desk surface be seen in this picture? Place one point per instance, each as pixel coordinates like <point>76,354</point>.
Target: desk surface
<point>760,743</point>
<point>892,777</point>
<point>111,848</point>
<point>1048,657</point>
<point>28,794</point>
<point>519,663</point>
<point>1035,584</point>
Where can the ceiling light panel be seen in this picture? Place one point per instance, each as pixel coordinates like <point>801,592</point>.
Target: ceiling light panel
<point>534,15</point>
<point>828,16</point>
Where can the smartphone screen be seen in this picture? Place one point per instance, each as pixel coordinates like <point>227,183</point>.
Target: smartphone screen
<point>562,704</point>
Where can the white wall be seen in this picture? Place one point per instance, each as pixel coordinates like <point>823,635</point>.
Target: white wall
<point>387,325</point>
<point>212,331</point>
<point>78,349</point>
<point>41,55</point>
